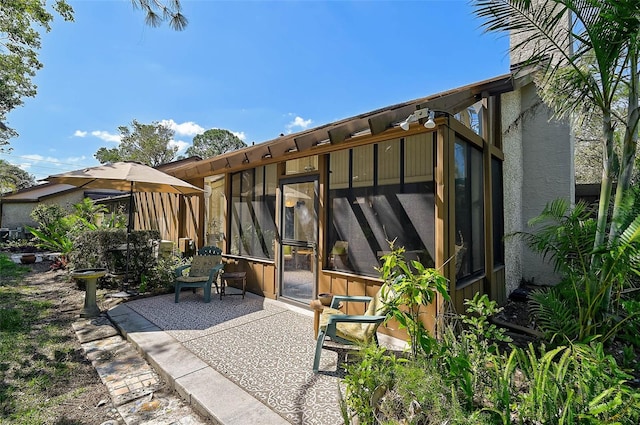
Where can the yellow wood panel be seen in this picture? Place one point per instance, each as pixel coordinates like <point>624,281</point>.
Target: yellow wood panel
<point>356,287</point>
<point>269,284</point>
<point>255,277</point>
<point>418,158</point>
<point>324,283</point>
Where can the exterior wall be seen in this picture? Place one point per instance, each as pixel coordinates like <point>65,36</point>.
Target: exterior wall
<point>18,214</point>
<point>538,168</point>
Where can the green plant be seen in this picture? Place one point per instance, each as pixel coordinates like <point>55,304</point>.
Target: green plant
<point>374,372</point>
<point>55,236</point>
<point>160,277</point>
<point>414,286</point>
<point>10,272</point>
<point>578,308</point>
<point>575,384</point>
<point>468,350</point>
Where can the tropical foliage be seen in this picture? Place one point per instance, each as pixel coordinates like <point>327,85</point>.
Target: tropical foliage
<point>575,310</point>
<point>468,379</point>
<point>585,53</point>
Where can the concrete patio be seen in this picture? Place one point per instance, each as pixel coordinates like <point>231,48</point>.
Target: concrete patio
<point>235,361</point>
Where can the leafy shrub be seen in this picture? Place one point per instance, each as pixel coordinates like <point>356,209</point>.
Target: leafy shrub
<point>414,287</point>
<point>581,306</point>
<point>467,380</point>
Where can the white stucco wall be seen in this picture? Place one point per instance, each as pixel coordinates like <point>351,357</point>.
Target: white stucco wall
<point>538,168</point>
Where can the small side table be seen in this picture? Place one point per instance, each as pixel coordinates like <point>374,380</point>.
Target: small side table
<point>225,278</point>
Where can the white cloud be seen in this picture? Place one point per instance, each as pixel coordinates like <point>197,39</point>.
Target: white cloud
<point>182,145</point>
<point>80,133</point>
<point>298,123</point>
<point>240,135</point>
<point>106,136</point>
<point>188,128</point>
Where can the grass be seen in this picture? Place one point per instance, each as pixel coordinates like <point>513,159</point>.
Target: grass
<point>37,356</point>
<point>10,272</point>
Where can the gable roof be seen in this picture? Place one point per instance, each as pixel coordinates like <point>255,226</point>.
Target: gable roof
<point>49,190</point>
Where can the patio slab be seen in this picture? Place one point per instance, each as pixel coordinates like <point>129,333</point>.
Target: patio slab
<point>235,361</point>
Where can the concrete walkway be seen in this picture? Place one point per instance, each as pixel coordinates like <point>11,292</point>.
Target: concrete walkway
<point>233,361</point>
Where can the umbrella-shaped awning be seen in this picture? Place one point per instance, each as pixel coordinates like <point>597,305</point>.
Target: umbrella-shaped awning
<point>127,177</point>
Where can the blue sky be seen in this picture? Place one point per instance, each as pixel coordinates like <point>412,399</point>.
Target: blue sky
<point>257,68</point>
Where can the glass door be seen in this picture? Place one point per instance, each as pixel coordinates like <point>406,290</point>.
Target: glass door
<point>299,238</point>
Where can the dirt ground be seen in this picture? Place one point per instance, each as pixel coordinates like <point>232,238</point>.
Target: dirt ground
<point>90,402</point>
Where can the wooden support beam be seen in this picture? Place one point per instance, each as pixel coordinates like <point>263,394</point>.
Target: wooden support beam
<point>384,120</point>
<point>342,132</point>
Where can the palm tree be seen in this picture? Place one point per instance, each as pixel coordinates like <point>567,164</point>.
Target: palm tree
<point>585,53</point>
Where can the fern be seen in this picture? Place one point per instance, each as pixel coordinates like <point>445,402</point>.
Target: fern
<point>554,316</point>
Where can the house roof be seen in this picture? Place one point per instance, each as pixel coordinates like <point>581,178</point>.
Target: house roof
<point>370,123</point>
<point>47,190</point>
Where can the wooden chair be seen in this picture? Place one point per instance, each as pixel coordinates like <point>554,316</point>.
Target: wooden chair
<point>341,332</point>
<point>203,272</point>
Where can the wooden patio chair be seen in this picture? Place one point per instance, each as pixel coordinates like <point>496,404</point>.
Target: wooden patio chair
<point>341,332</point>
<point>203,272</point>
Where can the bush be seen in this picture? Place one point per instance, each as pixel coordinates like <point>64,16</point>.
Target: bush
<point>468,380</point>
<point>107,249</point>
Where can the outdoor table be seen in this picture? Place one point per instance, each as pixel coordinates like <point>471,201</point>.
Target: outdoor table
<point>90,276</point>
<point>240,277</point>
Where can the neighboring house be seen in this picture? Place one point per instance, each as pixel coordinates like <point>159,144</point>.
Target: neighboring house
<point>445,176</point>
<point>16,207</point>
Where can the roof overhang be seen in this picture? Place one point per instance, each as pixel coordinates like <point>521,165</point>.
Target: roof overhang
<point>370,123</point>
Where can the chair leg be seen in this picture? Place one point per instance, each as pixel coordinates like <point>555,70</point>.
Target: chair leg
<point>316,358</point>
<point>177,293</point>
<point>207,293</point>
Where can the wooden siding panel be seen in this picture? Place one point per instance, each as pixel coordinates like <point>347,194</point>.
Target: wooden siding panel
<point>498,286</point>
<point>269,286</point>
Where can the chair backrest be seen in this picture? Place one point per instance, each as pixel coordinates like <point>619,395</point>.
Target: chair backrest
<point>202,264</point>
<point>377,307</point>
<point>209,250</point>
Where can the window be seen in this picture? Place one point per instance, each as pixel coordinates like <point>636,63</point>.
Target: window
<point>214,200</point>
<point>379,193</point>
<point>469,211</point>
<point>253,198</point>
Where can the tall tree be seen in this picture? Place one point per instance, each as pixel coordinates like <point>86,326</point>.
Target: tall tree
<point>214,142</point>
<point>145,143</point>
<point>585,80</point>
<point>21,24</point>
<point>14,178</point>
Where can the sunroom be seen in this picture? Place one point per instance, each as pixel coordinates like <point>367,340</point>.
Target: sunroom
<point>313,212</point>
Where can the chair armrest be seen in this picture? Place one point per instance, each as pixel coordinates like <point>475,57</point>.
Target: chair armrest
<point>178,271</point>
<point>335,302</point>
<point>214,271</point>
<point>346,318</point>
